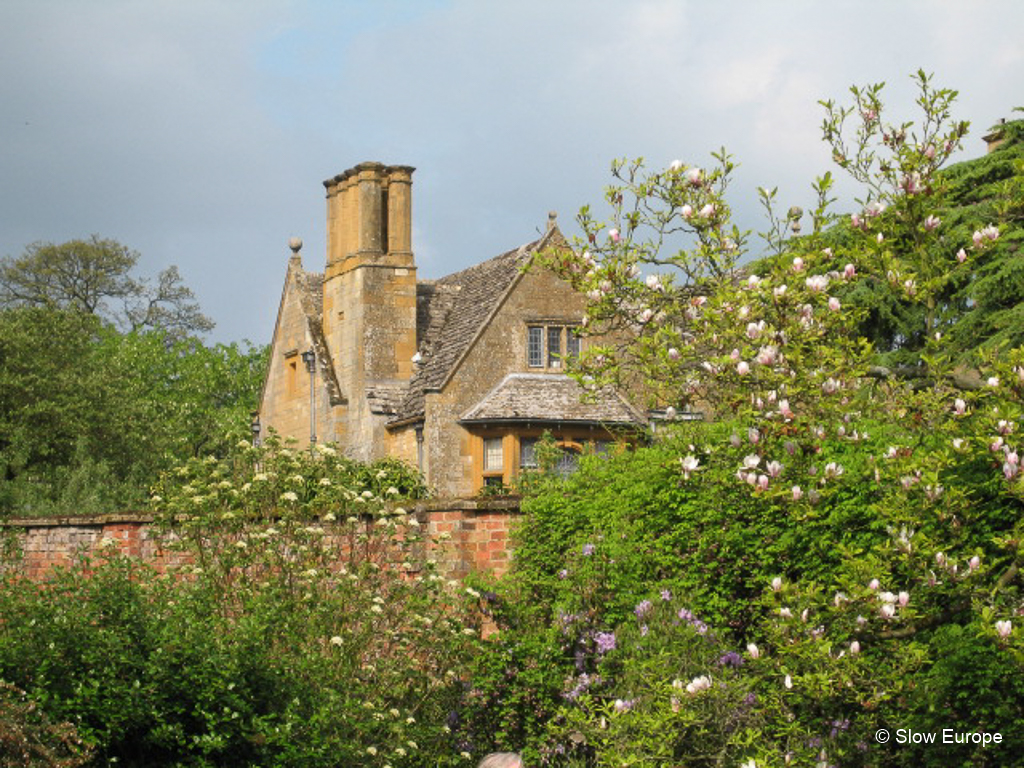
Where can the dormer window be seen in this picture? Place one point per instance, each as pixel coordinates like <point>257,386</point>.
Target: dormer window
<point>549,346</point>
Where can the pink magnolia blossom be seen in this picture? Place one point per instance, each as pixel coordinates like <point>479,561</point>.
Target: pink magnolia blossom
<point>743,368</point>
<point>961,255</point>
<point>904,599</point>
<point>817,283</point>
<point>788,682</point>
<point>797,493</point>
<point>762,482</point>
<point>753,435</point>
<point>798,264</point>
<point>833,304</point>
<point>974,563</point>
<point>689,465</point>
<point>854,648</point>
<point>693,175</point>
<point>992,381</point>
<point>707,211</point>
<point>785,411</point>
<point>912,183</point>
<point>774,468</point>
<point>779,292</point>
<point>849,271</point>
<point>1004,628</point>
<point>880,238</point>
<point>767,355</point>
<point>698,684</point>
<point>687,211</point>
<point>785,613</point>
<point>932,223</point>
<point>776,584</point>
<point>614,235</point>
<point>874,584</point>
<point>959,407</point>
<point>754,651</point>
<point>887,610</point>
<point>855,221</point>
<point>653,282</point>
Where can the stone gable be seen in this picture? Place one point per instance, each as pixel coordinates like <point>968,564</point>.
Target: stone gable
<point>456,376</point>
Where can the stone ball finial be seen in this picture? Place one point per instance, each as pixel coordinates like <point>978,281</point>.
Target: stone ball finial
<point>295,243</point>
<point>552,216</point>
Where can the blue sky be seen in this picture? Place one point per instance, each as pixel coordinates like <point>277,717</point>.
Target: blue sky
<point>198,133</point>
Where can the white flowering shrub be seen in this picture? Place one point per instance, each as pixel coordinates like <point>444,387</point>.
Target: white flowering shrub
<point>305,626</point>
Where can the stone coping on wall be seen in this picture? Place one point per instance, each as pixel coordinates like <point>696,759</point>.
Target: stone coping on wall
<point>461,504</point>
<point>113,518</point>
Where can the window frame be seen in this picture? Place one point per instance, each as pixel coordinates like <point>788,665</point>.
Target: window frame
<point>539,336</point>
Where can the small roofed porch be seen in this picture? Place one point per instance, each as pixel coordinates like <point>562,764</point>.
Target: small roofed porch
<point>506,426</point>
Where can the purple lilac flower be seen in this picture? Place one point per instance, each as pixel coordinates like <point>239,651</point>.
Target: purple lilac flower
<point>588,550</point>
<point>730,659</point>
<point>582,683</point>
<point>666,595</point>
<point>605,642</point>
<point>563,574</point>
<point>623,705</point>
<point>643,630</point>
<point>643,608</point>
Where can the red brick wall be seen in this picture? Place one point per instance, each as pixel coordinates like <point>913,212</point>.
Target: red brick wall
<point>478,532</point>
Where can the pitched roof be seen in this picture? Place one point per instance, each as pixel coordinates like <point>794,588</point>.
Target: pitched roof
<point>451,312</point>
<point>550,397</point>
<point>310,288</point>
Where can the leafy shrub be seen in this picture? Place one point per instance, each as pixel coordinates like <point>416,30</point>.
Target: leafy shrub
<point>306,626</point>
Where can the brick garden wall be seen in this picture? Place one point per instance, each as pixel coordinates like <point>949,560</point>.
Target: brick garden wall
<point>478,530</point>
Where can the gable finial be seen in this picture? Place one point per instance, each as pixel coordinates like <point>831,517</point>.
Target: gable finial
<point>552,223</point>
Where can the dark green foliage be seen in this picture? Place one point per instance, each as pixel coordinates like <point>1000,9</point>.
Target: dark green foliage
<point>967,688</point>
<point>296,634</point>
<point>29,739</point>
<point>89,417</point>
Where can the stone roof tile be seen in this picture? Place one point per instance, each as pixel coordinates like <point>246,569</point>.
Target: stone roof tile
<point>450,313</point>
<point>548,397</point>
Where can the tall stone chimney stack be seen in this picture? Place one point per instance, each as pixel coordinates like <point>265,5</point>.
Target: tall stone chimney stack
<point>369,299</point>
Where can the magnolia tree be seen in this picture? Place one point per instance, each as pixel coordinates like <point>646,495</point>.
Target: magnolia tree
<point>774,351</point>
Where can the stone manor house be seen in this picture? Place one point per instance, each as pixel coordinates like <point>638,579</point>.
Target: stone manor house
<point>458,376</point>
